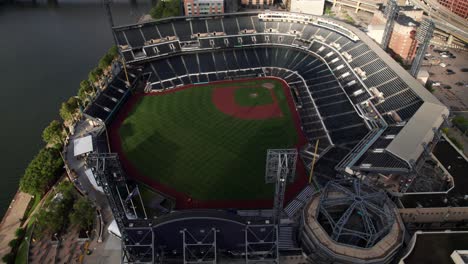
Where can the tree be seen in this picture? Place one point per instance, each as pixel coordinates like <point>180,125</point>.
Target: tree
<point>9,258</point>
<point>13,243</point>
<point>20,232</point>
<point>461,122</point>
<point>83,213</point>
<point>53,133</point>
<point>94,74</point>
<point>113,51</point>
<point>41,171</point>
<point>55,217</point>
<point>165,9</point>
<point>68,109</point>
<point>84,90</point>
<point>105,61</point>
<point>66,113</point>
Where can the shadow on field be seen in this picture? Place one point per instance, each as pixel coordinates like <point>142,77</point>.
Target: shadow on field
<point>127,129</point>
<point>155,166</point>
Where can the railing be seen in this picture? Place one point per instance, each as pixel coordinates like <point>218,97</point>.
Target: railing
<point>353,156</point>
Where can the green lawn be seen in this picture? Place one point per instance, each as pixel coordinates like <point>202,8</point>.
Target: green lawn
<point>22,254</point>
<point>183,141</point>
<point>253,96</point>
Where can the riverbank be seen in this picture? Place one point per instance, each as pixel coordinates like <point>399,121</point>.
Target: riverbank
<point>64,44</point>
<point>12,220</point>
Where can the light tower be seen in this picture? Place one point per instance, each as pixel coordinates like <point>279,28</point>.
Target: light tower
<point>423,36</point>
<point>390,11</point>
<point>107,5</point>
<point>280,168</point>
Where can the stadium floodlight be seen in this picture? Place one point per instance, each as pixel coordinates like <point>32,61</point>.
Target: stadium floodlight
<point>278,159</point>
<point>390,11</point>
<point>280,166</point>
<point>423,36</point>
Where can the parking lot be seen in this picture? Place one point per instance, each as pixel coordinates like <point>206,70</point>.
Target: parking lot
<point>453,88</point>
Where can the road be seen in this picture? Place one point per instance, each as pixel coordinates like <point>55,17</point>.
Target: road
<point>444,18</point>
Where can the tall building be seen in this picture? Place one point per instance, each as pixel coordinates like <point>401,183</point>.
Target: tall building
<point>403,41</point>
<point>314,7</point>
<point>459,7</point>
<point>203,7</point>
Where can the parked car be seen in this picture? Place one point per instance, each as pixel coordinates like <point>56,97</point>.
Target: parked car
<point>435,84</point>
<point>449,71</point>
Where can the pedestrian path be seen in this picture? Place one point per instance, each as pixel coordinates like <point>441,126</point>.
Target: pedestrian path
<point>12,220</point>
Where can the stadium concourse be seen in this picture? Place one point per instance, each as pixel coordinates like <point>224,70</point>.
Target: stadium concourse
<point>369,118</point>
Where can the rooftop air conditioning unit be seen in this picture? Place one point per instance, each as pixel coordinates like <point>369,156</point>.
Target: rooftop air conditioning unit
<point>395,116</point>
<point>336,45</point>
<point>361,73</point>
<point>347,56</point>
<point>376,93</point>
<point>318,37</point>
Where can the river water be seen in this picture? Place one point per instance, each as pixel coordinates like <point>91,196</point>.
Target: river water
<point>45,51</point>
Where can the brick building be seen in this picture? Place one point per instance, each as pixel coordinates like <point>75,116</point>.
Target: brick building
<point>403,41</point>
<point>459,7</point>
<point>203,7</point>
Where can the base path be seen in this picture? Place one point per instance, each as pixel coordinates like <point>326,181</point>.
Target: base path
<point>12,220</point>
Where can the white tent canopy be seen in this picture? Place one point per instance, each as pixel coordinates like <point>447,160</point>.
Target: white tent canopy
<point>83,145</point>
<point>114,229</point>
<point>89,173</point>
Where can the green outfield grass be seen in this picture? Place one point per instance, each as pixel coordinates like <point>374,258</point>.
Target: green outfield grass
<point>182,140</point>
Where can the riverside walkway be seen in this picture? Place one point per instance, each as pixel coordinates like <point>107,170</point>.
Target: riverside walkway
<point>12,220</point>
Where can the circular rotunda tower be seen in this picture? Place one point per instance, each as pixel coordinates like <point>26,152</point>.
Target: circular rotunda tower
<point>350,222</point>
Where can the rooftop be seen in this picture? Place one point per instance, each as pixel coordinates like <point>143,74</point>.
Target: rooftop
<point>435,247</point>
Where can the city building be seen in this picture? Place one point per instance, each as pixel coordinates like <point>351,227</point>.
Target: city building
<point>403,41</point>
<point>256,3</point>
<point>203,7</point>
<point>314,7</point>
<point>459,7</point>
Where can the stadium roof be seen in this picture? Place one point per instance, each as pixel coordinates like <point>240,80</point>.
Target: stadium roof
<point>82,145</point>
<point>435,247</point>
<point>409,143</point>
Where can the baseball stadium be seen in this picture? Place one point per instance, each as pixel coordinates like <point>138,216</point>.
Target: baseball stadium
<point>239,137</point>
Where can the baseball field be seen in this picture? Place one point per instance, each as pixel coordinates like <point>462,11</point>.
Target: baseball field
<point>209,141</point>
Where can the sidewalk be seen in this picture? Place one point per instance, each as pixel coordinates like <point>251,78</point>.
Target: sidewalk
<point>109,250</point>
<point>11,220</point>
